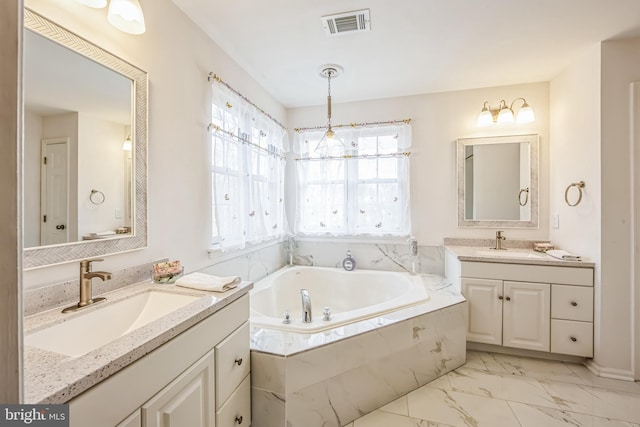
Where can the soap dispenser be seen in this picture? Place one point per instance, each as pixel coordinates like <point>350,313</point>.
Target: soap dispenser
<point>349,263</point>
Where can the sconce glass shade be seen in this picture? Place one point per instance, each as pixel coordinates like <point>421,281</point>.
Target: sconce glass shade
<point>505,115</point>
<point>127,16</point>
<point>525,115</point>
<point>97,4</point>
<point>127,145</point>
<point>485,118</point>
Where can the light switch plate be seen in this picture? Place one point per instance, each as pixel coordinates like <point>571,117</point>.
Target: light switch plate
<point>556,220</point>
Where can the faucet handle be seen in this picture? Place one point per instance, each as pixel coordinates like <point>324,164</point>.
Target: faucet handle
<point>499,234</point>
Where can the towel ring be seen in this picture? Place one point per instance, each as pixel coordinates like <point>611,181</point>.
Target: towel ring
<point>96,197</point>
<point>579,186</point>
<point>526,196</point>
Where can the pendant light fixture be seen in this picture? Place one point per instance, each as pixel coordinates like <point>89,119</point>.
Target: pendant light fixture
<point>329,72</point>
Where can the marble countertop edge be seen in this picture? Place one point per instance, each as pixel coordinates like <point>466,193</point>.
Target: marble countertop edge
<point>470,253</point>
<point>55,378</point>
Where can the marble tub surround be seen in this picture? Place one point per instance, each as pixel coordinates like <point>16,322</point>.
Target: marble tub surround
<point>502,390</point>
<point>56,294</point>
<point>331,378</point>
<point>369,256</point>
<point>251,265</point>
<point>54,378</point>
<point>529,256</point>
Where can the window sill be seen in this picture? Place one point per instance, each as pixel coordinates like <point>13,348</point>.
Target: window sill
<point>390,240</point>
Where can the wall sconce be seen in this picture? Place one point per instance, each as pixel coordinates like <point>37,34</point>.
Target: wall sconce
<point>127,145</point>
<point>504,114</point>
<point>125,15</point>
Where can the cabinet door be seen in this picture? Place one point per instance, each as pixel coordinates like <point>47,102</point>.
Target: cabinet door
<point>527,315</point>
<point>187,401</point>
<point>485,310</point>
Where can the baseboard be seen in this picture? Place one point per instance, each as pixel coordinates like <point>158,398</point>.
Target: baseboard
<point>613,373</point>
<point>524,353</point>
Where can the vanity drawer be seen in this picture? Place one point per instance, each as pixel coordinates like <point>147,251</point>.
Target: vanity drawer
<point>572,303</point>
<point>237,410</point>
<point>572,337</point>
<point>232,363</point>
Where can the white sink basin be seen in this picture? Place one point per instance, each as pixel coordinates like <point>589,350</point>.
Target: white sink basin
<point>510,254</point>
<point>95,328</point>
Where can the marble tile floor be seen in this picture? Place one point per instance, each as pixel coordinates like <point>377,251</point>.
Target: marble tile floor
<point>496,390</point>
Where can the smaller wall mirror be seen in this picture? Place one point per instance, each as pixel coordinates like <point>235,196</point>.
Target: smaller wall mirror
<point>498,181</point>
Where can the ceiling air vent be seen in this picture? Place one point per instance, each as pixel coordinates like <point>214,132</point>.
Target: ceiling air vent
<point>347,22</point>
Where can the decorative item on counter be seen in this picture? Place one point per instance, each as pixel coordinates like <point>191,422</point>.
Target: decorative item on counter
<point>543,246</point>
<point>564,255</point>
<point>208,282</point>
<point>122,230</point>
<point>167,272</point>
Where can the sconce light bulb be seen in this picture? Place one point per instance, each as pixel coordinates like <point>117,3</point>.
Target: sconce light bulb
<point>505,115</point>
<point>485,118</point>
<point>127,145</point>
<point>525,115</point>
<point>127,16</point>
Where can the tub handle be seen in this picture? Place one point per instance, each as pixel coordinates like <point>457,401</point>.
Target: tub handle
<point>326,314</point>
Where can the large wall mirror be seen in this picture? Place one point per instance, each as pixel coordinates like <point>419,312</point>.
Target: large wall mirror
<point>498,181</point>
<point>85,148</point>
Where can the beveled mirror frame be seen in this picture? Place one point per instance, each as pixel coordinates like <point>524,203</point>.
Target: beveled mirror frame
<point>69,252</point>
<point>533,140</point>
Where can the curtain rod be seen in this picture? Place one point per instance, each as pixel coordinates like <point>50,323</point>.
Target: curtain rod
<point>354,125</point>
<point>213,76</point>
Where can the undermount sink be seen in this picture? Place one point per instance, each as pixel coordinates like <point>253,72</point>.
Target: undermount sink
<point>509,254</point>
<point>95,328</point>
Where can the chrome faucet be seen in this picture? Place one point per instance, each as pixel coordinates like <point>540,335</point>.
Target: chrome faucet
<point>86,275</point>
<point>306,306</point>
<point>499,239</point>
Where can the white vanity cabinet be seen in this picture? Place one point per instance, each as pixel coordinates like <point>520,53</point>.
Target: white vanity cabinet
<point>200,378</point>
<point>535,307</point>
<point>513,314</point>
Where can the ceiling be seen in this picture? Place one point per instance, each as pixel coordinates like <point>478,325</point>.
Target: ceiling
<point>414,46</point>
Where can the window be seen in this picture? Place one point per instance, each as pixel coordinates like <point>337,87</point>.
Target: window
<point>356,184</point>
<point>247,171</point>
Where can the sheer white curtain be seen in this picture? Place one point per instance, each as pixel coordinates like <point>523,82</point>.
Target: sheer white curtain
<point>356,184</point>
<point>248,167</point>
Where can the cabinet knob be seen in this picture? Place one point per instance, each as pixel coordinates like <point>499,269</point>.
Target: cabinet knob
<point>239,419</point>
<point>238,361</point>
<point>574,339</point>
<point>500,297</point>
<point>508,298</point>
<point>574,304</point>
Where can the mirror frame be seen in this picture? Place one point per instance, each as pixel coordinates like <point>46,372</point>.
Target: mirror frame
<point>533,140</point>
<point>68,252</point>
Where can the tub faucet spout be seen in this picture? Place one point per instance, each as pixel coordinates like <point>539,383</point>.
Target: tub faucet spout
<point>306,306</point>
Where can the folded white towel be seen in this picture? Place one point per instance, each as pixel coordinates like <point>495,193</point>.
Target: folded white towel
<point>207,282</point>
<point>105,233</point>
<point>564,255</point>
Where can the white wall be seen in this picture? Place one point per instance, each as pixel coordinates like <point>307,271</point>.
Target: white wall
<point>178,58</point>
<point>101,168</point>
<point>620,67</point>
<point>437,121</point>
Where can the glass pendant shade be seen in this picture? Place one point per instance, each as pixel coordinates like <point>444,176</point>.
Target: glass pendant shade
<point>98,4</point>
<point>127,16</point>
<point>485,118</point>
<point>525,115</point>
<point>505,115</point>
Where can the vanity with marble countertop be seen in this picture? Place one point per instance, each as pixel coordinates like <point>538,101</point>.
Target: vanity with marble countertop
<point>52,377</point>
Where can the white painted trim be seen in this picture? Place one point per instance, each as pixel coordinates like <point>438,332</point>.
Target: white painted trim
<point>635,227</point>
<point>218,256</point>
<point>613,373</point>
